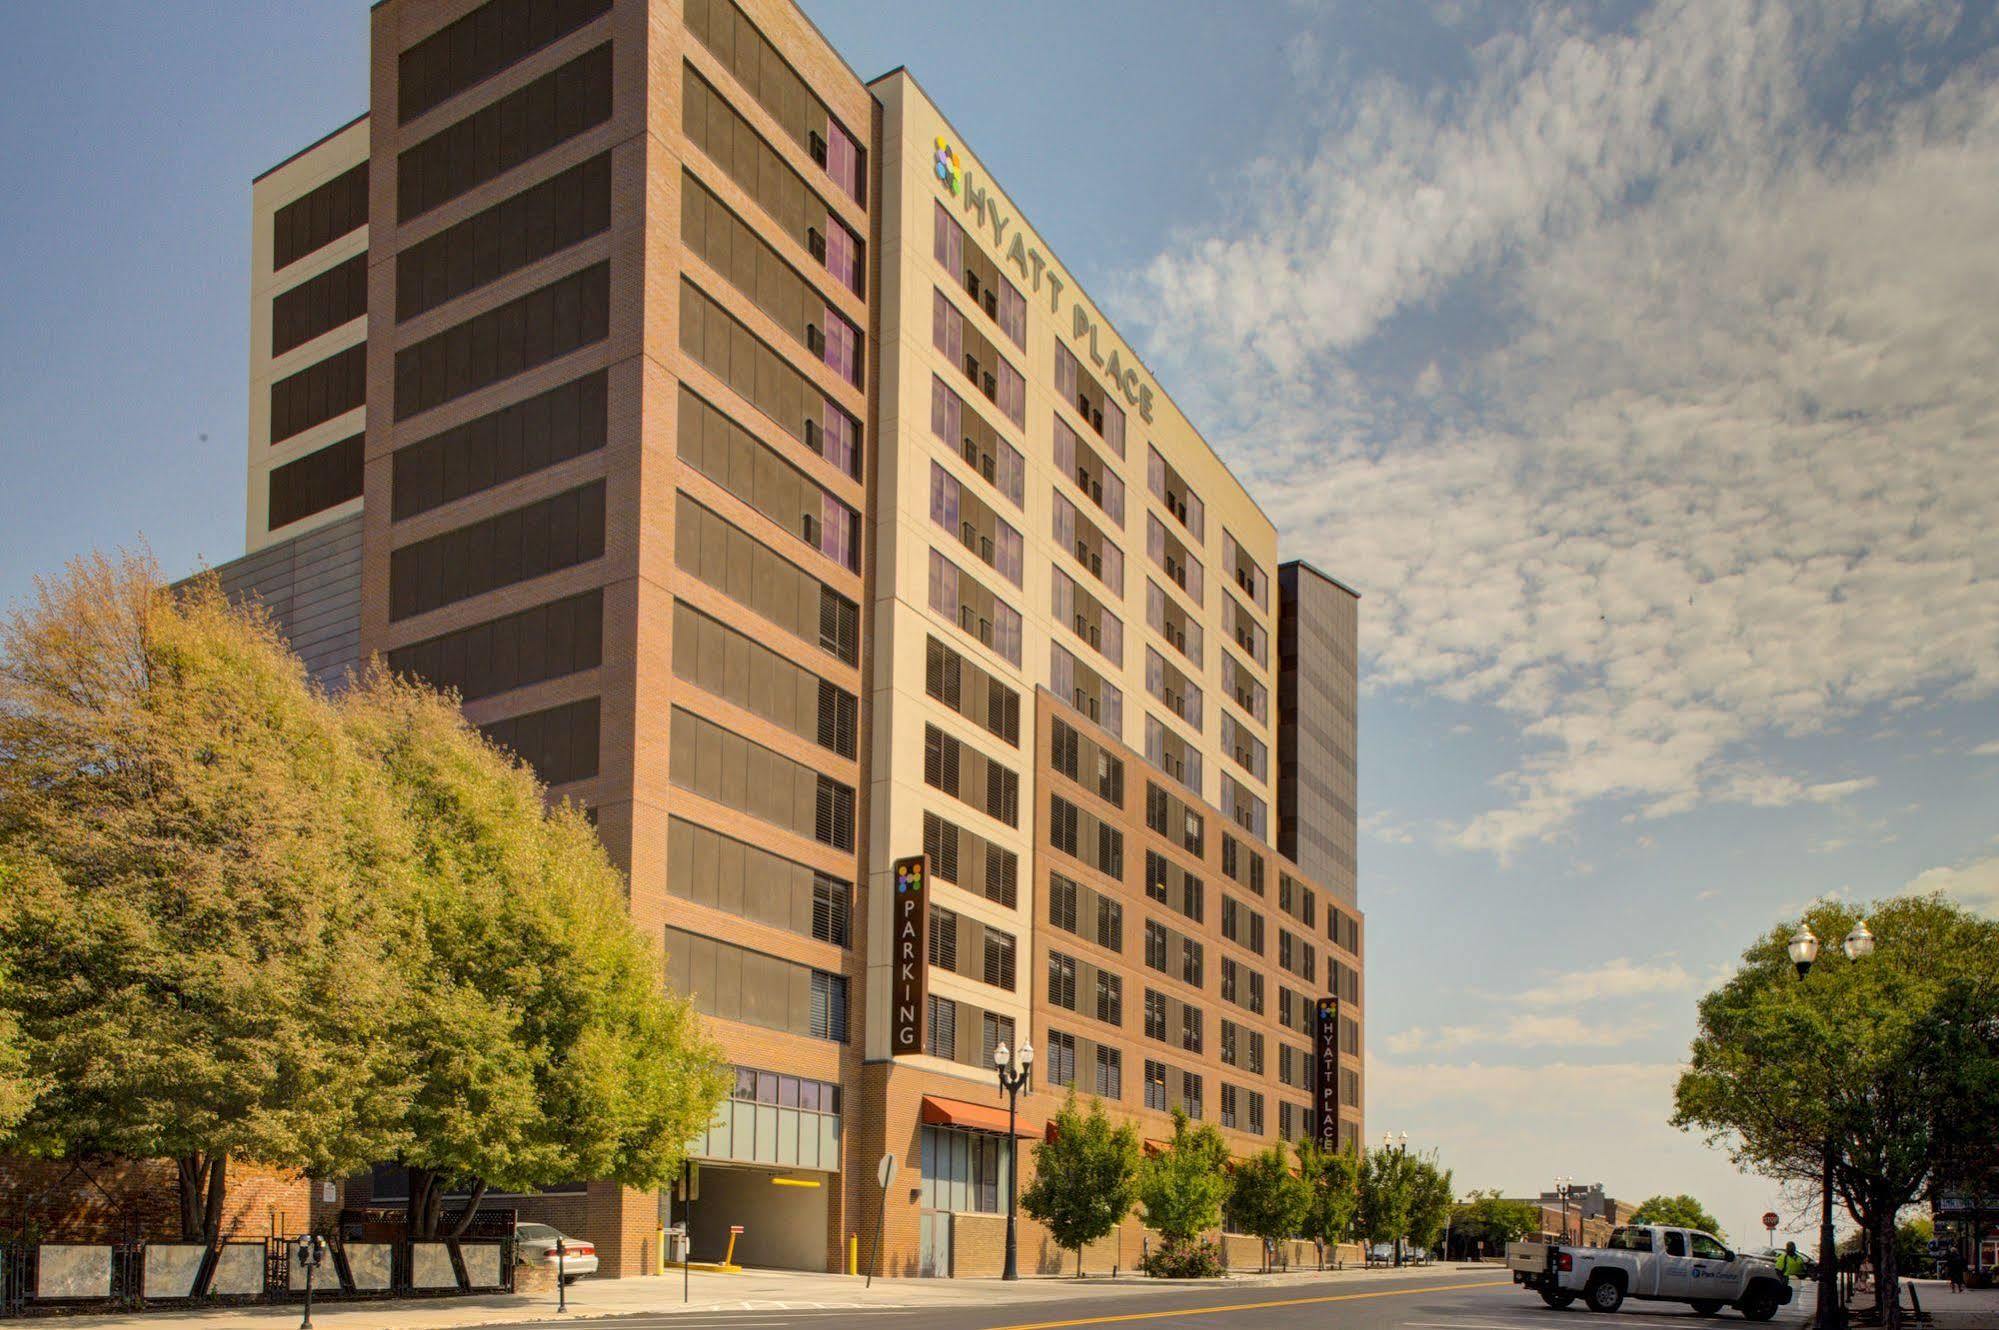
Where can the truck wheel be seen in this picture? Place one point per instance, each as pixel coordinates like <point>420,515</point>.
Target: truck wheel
<point>1605,1295</point>
<point>1759,1304</point>
<point>1706,1307</point>
<point>1556,1298</point>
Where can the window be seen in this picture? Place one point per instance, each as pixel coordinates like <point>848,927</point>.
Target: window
<point>1061,981</point>
<point>1062,903</point>
<point>1110,1072</point>
<point>1229,980</point>
<point>1110,924</point>
<point>829,1006</point>
<point>1155,1016</point>
<point>1190,1028</point>
<point>961,1170</point>
<point>1190,961</point>
<point>1190,1094</point>
<point>319,392</point>
<point>314,220</point>
<point>1061,1059</point>
<point>1705,1248</point>
<point>1155,946</point>
<point>1173,558</point>
<point>942,1034</point>
<point>970,861</point>
<point>314,483</point>
<point>980,614</point>
<point>1155,1085</point>
<point>967,434</point>
<point>487,40</point>
<point>738,667</point>
<point>970,776</point>
<point>558,532</point>
<point>999,959</point>
<point>943,938</point>
<point>983,532</point>
<point>994,1030</point>
<point>1255,1002</point>
<point>1169,488</point>
<point>1255,1104</point>
<point>970,691</point>
<point>1228,1105</point>
<point>319,304</point>
<point>1110,998</point>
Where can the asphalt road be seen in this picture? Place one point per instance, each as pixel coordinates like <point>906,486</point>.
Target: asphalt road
<point>1462,1300</point>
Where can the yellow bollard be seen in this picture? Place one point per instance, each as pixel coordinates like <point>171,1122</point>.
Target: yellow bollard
<point>853,1253</point>
<point>729,1261</point>
<point>659,1250</point>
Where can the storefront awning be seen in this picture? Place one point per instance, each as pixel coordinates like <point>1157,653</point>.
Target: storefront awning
<point>941,1112</point>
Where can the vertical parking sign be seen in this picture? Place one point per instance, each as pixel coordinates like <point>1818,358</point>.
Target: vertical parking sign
<point>909,918</point>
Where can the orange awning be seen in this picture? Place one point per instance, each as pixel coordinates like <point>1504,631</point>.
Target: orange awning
<point>941,1112</point>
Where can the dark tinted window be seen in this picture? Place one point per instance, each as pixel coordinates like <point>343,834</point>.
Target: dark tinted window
<point>559,743</point>
<point>540,326</point>
<point>315,482</point>
<point>317,219</point>
<point>319,392</point>
<point>558,532</point>
<point>480,45</point>
<point>530,226</point>
<point>545,642</point>
<point>564,422</point>
<point>319,304</point>
<point>494,139</point>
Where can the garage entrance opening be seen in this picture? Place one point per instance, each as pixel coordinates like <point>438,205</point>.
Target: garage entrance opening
<point>783,1214</point>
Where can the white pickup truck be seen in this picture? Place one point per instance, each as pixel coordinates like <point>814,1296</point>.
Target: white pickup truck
<point>1655,1263</point>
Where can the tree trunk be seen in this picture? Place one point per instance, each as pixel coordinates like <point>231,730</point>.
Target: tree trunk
<point>471,1208</point>
<point>416,1219</point>
<point>1888,1293</point>
<point>202,1182</point>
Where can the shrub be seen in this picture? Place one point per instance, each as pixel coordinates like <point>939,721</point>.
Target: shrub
<point>1201,1259</point>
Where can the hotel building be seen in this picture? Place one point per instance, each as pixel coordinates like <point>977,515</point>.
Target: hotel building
<point>712,421</point>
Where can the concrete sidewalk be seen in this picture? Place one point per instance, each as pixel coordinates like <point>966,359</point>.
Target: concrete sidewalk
<point>752,1290</point>
<point>1973,1309</point>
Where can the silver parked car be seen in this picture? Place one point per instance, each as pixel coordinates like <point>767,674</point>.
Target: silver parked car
<point>534,1244</point>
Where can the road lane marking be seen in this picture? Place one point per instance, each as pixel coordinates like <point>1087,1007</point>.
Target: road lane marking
<point>1252,1306</point>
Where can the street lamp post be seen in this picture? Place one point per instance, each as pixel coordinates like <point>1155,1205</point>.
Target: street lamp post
<point>1804,951</point>
<point>1014,1068</point>
<point>1562,1193</point>
<point>1400,1145</point>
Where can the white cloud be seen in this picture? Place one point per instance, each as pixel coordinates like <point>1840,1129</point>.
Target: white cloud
<point>1698,464</point>
<point>1987,749</point>
<point>1975,883</point>
<point>1620,978</point>
<point>1384,827</point>
<point>1530,1030</point>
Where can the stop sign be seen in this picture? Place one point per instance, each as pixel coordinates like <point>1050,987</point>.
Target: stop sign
<point>1770,1219</point>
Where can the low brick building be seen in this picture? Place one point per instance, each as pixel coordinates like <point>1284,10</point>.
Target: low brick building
<point>131,1200</point>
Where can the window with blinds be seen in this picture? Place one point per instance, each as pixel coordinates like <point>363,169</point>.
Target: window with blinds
<point>719,764</point>
<point>971,691</point>
<point>970,776</point>
<point>968,860</point>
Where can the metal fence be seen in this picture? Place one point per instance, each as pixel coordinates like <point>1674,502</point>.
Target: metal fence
<point>57,1276</point>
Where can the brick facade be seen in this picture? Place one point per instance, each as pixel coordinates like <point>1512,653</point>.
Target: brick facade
<point>118,1200</point>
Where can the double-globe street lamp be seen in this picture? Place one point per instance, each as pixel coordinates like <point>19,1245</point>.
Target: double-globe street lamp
<point>1804,950</point>
<point>1014,1068</point>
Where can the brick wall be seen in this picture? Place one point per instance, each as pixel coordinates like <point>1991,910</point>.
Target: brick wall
<point>128,1200</point>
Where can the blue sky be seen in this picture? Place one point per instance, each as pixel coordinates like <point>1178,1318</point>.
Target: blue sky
<point>1634,361</point>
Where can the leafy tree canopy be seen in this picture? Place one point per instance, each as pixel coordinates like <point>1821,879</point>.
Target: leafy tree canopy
<point>1489,1218</point>
<point>1184,1186</point>
<point>1268,1200</point>
<point>1332,1181</point>
<point>1085,1177</point>
<point>1680,1211</point>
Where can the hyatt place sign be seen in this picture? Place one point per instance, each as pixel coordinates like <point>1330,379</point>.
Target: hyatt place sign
<point>1036,272</point>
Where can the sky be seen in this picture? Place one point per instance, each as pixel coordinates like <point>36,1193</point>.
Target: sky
<point>1634,361</point>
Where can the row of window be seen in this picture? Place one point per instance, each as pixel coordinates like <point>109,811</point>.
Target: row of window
<point>559,743</point>
<point>1242,925</point>
<point>1173,753</point>
<point>1085,837</point>
<point>1079,462</point>
<point>970,691</point>
<point>731,665</point>
<point>1085,912</point>
<point>984,450</point>
<point>1172,952</point>
<point>990,373</point>
<point>981,278</point>
<point>319,392</point>
<point>546,641</point>
<point>767,76</point>
<point>1087,762</point>
<point>753,574</point>
<point>1086,616</point>
<point>970,861</point>
<point>751,882</point>
<point>505,133</point>
<point>969,776</point>
<point>1242,986</point>
<point>1083,1064</point>
<point>320,480</point>
<point>756,473</point>
<point>319,304</point>
<point>1242,863</point>
<point>531,435</point>
<point>1086,988</point>
<point>316,219</point>
<point>1084,689</point>
<point>734,983</point>
<point>723,766</point>
<point>989,537</point>
<point>759,170</point>
<point>531,541</point>
<point>978,612</point>
<point>767,381</point>
<point>491,38</point>
<point>961,1032</point>
<point>1244,808</point>
<point>783,1090</point>
<point>963,945</point>
<point>1297,955</point>
<point>546,324</point>
<point>1175,886</point>
<point>1242,1047</point>
<point>1174,818</point>
<point>541,220</point>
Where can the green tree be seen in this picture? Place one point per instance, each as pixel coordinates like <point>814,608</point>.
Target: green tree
<point>1680,1211</point>
<point>1487,1221</point>
<point>1893,1058</point>
<point>1332,1182</point>
<point>1429,1203</point>
<point>194,860</point>
<point>1387,1195</point>
<point>1266,1199</point>
<point>1085,1177</point>
<point>17,1087</point>
<point>1185,1185</point>
<point>542,1043</point>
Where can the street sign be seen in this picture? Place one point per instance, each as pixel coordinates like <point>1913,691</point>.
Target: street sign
<point>885,1171</point>
<point>1770,1220</point>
